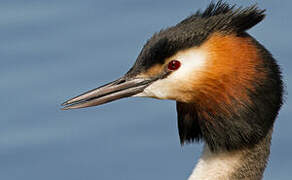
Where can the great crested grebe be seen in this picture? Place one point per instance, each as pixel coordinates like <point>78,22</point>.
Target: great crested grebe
<point>227,86</point>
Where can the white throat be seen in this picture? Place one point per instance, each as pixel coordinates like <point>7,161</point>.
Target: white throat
<point>219,165</point>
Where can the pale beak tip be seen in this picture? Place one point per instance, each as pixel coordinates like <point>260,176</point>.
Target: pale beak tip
<point>67,102</point>
<point>64,108</point>
<point>70,107</point>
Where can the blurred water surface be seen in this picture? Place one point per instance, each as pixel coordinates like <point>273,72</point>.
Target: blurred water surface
<point>53,50</point>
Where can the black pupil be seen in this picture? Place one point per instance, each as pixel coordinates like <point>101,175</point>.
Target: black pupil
<point>173,65</point>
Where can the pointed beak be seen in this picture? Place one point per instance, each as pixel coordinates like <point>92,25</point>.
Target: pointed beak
<point>115,90</point>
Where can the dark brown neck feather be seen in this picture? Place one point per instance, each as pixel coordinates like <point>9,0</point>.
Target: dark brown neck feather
<point>254,160</point>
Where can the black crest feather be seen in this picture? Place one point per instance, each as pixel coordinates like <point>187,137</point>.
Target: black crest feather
<point>223,17</point>
<point>194,30</point>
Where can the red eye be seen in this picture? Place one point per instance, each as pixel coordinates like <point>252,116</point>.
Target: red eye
<point>173,65</point>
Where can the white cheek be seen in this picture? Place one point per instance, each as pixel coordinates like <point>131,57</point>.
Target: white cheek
<point>192,62</point>
<point>159,89</point>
